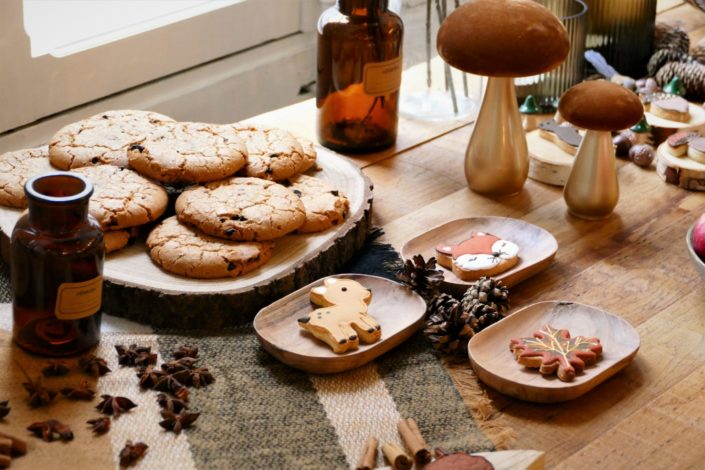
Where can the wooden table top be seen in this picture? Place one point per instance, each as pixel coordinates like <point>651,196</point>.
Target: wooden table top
<point>633,264</point>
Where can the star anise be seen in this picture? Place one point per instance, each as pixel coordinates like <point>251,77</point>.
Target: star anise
<point>55,369</point>
<point>131,453</point>
<point>186,351</point>
<point>38,394</point>
<point>149,376</point>
<point>81,393</point>
<point>201,376</point>
<point>4,409</point>
<point>135,355</point>
<point>182,394</point>
<point>100,425</point>
<point>171,403</point>
<point>111,405</point>
<point>175,422</point>
<point>50,429</point>
<point>185,363</point>
<point>94,366</point>
<point>171,382</point>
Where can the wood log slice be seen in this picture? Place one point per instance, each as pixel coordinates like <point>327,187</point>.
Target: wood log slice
<point>548,162</point>
<point>137,289</point>
<point>680,171</point>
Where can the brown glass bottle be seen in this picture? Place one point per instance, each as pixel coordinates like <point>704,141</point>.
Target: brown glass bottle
<point>56,266</point>
<point>359,73</point>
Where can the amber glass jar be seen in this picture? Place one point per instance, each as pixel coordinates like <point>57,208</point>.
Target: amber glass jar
<point>359,74</point>
<point>56,266</point>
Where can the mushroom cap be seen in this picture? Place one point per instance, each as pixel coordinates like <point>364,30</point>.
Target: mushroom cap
<point>600,105</point>
<point>503,38</point>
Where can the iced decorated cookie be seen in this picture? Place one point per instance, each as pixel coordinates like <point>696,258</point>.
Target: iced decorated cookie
<point>677,144</point>
<point>482,254</point>
<point>342,322</point>
<point>564,135</point>
<point>696,149</point>
<point>670,107</point>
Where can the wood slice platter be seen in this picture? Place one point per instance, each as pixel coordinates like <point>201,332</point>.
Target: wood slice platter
<point>548,162</point>
<point>495,365</point>
<point>137,289</point>
<point>537,247</point>
<point>399,310</point>
<point>683,172</point>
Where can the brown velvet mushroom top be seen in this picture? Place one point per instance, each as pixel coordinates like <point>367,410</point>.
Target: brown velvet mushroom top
<point>503,38</point>
<point>600,105</point>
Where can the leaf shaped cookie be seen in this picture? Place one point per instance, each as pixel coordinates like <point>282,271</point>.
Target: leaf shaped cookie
<point>553,350</point>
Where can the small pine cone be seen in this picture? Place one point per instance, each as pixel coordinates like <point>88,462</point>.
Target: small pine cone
<point>660,31</point>
<point>698,52</point>
<point>692,74</point>
<point>421,276</point>
<point>663,56</point>
<point>487,291</point>
<point>483,316</point>
<point>674,38</point>
<point>447,327</point>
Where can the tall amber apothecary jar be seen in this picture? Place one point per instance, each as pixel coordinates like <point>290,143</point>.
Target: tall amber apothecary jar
<point>56,262</point>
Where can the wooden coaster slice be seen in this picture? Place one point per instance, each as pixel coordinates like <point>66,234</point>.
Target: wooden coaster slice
<point>682,172</point>
<point>548,163</point>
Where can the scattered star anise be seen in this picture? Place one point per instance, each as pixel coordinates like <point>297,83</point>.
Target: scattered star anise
<point>4,409</point>
<point>131,453</point>
<point>201,376</point>
<point>135,355</point>
<point>171,382</point>
<point>185,363</point>
<point>38,394</point>
<point>171,403</point>
<point>186,351</point>
<point>81,393</point>
<point>94,366</point>
<point>111,405</point>
<point>149,376</point>
<point>55,369</point>
<point>175,422</point>
<point>100,425</point>
<point>182,394</point>
<point>50,429</point>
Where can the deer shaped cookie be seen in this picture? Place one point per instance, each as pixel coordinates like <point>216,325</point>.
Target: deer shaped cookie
<point>483,254</point>
<point>342,322</point>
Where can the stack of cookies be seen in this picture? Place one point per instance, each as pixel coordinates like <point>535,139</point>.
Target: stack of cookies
<point>239,187</point>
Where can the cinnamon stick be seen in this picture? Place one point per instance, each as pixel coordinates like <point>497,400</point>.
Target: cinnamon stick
<point>396,456</point>
<point>414,441</point>
<point>19,447</point>
<point>5,461</point>
<point>5,446</point>
<point>368,460</point>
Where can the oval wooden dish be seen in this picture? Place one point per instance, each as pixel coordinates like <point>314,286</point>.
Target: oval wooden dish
<point>537,247</point>
<point>399,310</point>
<point>138,289</point>
<point>495,365</point>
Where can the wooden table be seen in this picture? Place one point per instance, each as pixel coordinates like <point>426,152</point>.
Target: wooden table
<point>633,264</point>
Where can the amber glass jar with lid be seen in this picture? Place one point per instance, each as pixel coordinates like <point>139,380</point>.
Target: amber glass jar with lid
<point>56,262</point>
<point>359,75</point>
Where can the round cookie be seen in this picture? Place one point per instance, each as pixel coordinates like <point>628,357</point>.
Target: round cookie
<point>115,240</point>
<point>122,198</point>
<point>241,209</point>
<point>272,154</point>
<point>187,252</point>
<point>325,206</point>
<point>188,152</point>
<point>310,153</point>
<point>102,139</point>
<point>16,168</point>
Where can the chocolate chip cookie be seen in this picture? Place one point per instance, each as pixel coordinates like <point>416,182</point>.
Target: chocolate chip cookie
<point>241,209</point>
<point>188,152</point>
<point>325,206</point>
<point>16,168</point>
<point>273,154</point>
<point>122,198</point>
<point>102,139</point>
<point>185,251</point>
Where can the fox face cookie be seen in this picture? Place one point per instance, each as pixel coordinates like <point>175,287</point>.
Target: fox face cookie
<point>483,254</point>
<point>342,322</point>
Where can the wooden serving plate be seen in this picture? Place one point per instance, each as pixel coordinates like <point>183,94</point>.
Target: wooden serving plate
<point>683,172</point>
<point>537,247</point>
<point>399,310</point>
<point>548,162</point>
<point>138,289</point>
<point>495,365</point>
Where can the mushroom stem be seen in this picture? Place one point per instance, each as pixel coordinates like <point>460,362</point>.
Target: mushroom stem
<point>592,190</point>
<point>497,159</point>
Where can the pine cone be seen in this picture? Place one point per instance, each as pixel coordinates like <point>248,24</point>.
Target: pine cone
<point>482,315</point>
<point>671,37</point>
<point>488,291</point>
<point>661,57</point>
<point>447,326</point>
<point>698,52</point>
<point>692,74</point>
<point>421,276</point>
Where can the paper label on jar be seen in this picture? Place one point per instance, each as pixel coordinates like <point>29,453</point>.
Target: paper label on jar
<point>76,300</point>
<point>382,78</point>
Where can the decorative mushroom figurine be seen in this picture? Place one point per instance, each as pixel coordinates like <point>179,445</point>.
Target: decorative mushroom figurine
<point>599,106</point>
<point>501,39</point>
